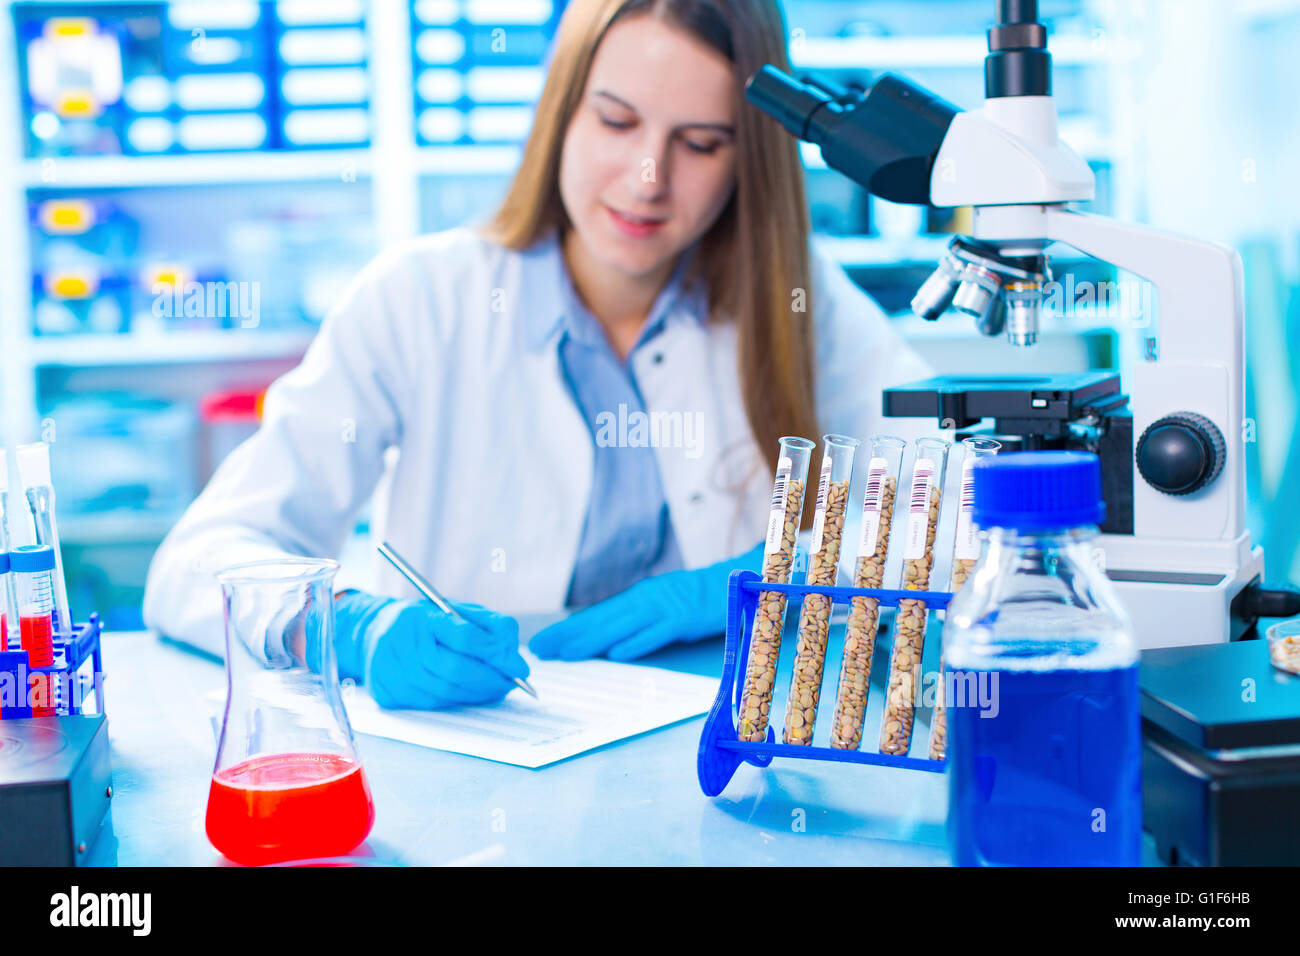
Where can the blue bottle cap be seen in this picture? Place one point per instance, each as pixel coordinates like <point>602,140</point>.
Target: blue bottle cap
<point>1037,490</point>
<point>4,562</point>
<point>32,557</point>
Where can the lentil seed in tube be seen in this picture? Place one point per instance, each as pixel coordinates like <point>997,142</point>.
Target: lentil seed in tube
<point>823,564</point>
<point>864,612</point>
<point>924,503</point>
<point>965,552</point>
<point>769,613</point>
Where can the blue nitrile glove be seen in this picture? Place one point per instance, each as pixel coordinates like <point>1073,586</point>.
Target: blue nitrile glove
<point>411,654</point>
<point>677,606</point>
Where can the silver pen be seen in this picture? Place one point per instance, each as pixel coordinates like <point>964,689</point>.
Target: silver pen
<point>428,590</point>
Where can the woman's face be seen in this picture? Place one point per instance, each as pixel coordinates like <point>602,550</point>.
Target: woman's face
<point>649,158</point>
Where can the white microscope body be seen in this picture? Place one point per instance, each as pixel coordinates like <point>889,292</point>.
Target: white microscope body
<point>1189,554</point>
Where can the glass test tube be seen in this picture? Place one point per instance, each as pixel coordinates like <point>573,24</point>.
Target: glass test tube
<point>823,564</point>
<point>9,597</point>
<point>965,552</point>
<point>769,614</point>
<point>6,612</point>
<point>864,614</point>
<point>923,504</point>
<point>33,569</point>
<point>34,467</point>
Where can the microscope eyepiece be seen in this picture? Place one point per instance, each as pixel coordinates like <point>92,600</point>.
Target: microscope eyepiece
<point>885,141</point>
<point>785,99</point>
<point>1018,63</point>
<point>1017,11</point>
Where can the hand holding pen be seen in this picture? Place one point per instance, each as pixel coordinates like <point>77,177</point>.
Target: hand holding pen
<point>431,593</point>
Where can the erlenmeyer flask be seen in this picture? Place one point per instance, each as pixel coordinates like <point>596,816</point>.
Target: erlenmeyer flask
<point>287,783</point>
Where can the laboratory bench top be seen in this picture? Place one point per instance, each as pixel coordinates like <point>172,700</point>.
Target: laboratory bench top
<point>633,802</point>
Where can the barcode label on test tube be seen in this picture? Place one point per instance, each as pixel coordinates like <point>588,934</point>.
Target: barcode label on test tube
<point>967,545</point>
<point>918,519</point>
<point>873,501</point>
<point>776,518</point>
<point>819,518</point>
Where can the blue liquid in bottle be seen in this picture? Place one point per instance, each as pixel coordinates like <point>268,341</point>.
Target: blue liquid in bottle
<point>1049,772</point>
<point>1045,760</point>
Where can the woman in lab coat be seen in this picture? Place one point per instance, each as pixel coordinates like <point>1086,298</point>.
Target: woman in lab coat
<point>585,396</point>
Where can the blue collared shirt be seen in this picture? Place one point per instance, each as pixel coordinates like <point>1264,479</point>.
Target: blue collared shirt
<point>628,534</point>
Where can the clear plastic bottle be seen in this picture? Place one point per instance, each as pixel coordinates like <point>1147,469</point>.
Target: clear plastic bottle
<point>1044,749</point>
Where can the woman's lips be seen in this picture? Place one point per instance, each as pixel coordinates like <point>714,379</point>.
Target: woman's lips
<point>635,227</point>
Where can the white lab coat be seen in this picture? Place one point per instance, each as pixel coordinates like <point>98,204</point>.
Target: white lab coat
<point>489,492</point>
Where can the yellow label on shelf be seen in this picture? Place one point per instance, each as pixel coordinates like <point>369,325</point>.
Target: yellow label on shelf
<point>71,286</point>
<point>66,216</point>
<point>171,275</point>
<point>69,26</point>
<point>77,103</point>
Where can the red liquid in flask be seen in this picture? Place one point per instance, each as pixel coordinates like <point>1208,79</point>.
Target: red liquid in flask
<point>38,641</point>
<point>289,807</point>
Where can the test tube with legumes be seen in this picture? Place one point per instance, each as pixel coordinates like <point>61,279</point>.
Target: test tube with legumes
<point>864,614</point>
<point>769,613</point>
<point>965,552</point>
<point>923,504</point>
<point>823,565</point>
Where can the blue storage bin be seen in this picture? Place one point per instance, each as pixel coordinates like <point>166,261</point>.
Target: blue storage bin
<point>144,455</point>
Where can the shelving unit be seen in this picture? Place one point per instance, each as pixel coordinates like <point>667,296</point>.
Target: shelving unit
<point>394,200</point>
<point>167,348</point>
<point>919,52</point>
<point>120,172</point>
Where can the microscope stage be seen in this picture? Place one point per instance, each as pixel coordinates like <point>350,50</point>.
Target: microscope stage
<point>964,400</point>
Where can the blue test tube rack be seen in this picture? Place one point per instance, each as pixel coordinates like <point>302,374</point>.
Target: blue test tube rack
<point>721,753</point>
<point>70,655</point>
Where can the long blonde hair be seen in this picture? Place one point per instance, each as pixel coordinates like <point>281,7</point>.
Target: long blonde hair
<point>754,260</point>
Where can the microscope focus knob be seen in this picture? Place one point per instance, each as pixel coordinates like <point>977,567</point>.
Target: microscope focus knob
<point>1180,453</point>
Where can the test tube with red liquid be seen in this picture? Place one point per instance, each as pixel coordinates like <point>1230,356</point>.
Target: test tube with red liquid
<point>33,570</point>
<point>5,611</point>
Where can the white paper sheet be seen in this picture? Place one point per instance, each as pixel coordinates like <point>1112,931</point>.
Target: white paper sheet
<point>582,705</point>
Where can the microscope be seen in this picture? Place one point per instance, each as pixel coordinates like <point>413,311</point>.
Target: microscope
<point>1174,473</point>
